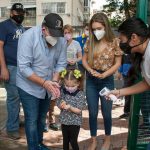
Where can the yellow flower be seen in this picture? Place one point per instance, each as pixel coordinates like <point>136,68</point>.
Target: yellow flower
<point>77,73</point>
<point>63,73</point>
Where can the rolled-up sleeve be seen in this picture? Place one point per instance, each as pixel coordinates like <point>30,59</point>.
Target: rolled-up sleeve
<point>25,55</point>
<point>62,60</point>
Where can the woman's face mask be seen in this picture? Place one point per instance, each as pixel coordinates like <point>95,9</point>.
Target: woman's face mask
<point>99,34</point>
<point>127,48</point>
<point>51,40</point>
<point>68,36</point>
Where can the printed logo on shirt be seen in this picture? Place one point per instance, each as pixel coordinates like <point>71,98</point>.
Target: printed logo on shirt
<point>18,34</point>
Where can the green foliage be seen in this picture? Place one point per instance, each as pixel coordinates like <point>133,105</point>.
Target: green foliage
<point>116,21</point>
<point>119,10</point>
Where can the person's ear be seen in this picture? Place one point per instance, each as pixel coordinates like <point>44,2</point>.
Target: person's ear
<point>134,38</point>
<point>44,30</point>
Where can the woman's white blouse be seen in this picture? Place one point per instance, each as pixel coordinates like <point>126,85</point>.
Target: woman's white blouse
<point>145,65</point>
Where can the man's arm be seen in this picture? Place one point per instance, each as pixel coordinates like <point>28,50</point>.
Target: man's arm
<point>56,77</point>
<point>4,73</point>
<point>25,61</point>
<point>47,84</point>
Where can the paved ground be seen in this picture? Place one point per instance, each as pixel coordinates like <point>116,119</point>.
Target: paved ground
<point>54,138</point>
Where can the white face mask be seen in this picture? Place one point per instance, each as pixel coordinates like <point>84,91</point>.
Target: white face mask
<point>86,32</point>
<point>51,40</point>
<point>99,34</point>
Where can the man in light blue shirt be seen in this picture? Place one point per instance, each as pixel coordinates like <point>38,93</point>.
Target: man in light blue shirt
<point>41,56</point>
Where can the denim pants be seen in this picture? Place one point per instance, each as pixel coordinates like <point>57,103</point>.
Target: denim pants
<point>93,86</point>
<point>35,111</point>
<point>13,100</point>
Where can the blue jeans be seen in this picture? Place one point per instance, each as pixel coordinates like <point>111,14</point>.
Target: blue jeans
<point>35,111</point>
<point>93,86</point>
<point>13,100</point>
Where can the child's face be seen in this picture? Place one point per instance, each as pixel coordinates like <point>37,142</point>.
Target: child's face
<point>71,86</point>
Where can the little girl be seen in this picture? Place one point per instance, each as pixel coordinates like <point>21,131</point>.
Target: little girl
<point>71,103</point>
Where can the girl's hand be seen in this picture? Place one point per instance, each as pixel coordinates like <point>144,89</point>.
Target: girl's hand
<point>62,105</point>
<point>67,107</point>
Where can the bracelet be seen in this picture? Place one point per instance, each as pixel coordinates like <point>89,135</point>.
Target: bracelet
<point>119,92</point>
<point>55,81</point>
<point>43,83</point>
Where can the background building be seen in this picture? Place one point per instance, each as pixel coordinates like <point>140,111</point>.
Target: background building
<point>73,12</point>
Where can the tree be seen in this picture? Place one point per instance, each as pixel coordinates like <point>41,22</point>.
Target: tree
<point>119,10</point>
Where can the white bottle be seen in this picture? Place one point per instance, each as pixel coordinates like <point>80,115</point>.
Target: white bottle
<point>105,91</point>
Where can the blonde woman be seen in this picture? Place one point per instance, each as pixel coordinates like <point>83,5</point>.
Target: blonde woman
<point>101,59</point>
<point>74,51</point>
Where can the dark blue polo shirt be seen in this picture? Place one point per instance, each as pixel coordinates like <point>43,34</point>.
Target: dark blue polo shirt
<point>9,34</point>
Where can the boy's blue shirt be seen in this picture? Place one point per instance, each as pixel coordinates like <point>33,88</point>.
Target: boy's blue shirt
<point>82,40</point>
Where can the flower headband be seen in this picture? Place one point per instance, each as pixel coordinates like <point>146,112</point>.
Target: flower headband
<point>76,73</point>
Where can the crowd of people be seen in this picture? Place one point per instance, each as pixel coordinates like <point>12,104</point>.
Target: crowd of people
<point>44,66</point>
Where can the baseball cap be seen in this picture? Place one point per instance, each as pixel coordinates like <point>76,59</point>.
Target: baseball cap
<point>54,23</point>
<point>17,7</point>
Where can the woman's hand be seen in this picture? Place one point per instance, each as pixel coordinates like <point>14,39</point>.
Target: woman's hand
<point>52,87</point>
<point>98,75</point>
<point>114,92</point>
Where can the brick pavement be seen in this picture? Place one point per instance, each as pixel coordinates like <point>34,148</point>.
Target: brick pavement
<point>54,138</point>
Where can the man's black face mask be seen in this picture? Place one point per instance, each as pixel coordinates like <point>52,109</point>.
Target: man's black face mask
<point>18,18</point>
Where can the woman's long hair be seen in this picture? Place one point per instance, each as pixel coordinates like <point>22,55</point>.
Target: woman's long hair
<point>137,26</point>
<point>109,35</point>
